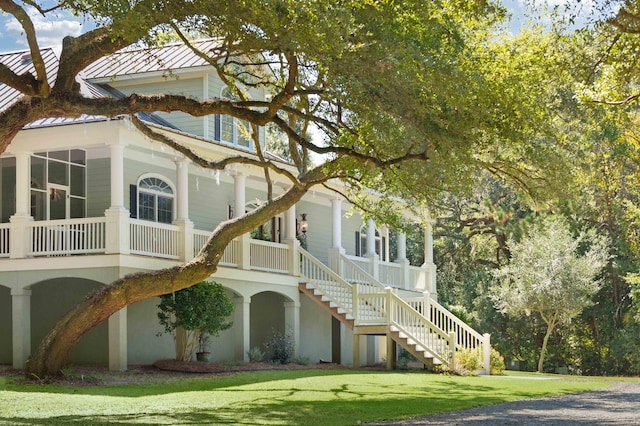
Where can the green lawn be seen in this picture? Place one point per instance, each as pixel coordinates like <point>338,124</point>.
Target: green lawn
<point>318,397</point>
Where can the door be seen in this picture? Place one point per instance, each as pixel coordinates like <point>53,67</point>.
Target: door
<point>58,202</point>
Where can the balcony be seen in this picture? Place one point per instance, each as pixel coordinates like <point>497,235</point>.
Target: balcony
<point>124,235</point>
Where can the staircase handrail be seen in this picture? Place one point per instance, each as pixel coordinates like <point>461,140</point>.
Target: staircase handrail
<point>407,320</point>
<point>368,283</point>
<point>332,285</point>
<point>445,320</point>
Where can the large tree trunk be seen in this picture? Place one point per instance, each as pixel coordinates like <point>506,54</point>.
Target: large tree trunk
<point>97,307</point>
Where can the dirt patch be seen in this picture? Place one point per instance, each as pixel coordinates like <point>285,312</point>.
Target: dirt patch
<point>163,371</point>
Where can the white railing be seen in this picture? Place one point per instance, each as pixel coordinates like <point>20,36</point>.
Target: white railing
<point>371,308</point>
<point>406,320</point>
<point>354,274</point>
<point>199,240</point>
<point>65,237</point>
<point>154,239</point>
<point>4,239</point>
<point>330,284</point>
<point>231,255</point>
<point>362,262</point>
<point>268,256</point>
<point>391,274</point>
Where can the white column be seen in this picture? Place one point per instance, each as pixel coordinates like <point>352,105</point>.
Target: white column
<point>182,196</point>
<point>290,223</point>
<point>21,326</point>
<point>117,226</point>
<point>336,215</point>
<point>118,340</point>
<point>242,319</point>
<point>336,251</point>
<point>428,261</point>
<point>240,182</point>
<point>18,235</point>
<point>402,247</point>
<point>401,259</point>
<point>428,245</point>
<point>186,249</point>
<point>117,176</point>
<point>371,238</point>
<point>292,322</point>
<point>23,183</point>
<point>371,249</point>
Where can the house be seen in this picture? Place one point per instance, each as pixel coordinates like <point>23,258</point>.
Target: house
<point>88,200</point>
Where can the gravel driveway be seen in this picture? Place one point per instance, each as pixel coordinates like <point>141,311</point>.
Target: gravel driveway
<point>618,405</point>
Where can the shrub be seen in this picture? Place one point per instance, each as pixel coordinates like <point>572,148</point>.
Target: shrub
<point>200,309</point>
<point>468,361</point>
<point>496,362</point>
<point>255,354</point>
<point>280,347</point>
<point>301,360</point>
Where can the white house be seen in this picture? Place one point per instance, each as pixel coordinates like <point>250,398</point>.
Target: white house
<point>87,200</point>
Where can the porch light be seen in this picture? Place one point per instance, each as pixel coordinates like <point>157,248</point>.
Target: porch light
<point>303,226</point>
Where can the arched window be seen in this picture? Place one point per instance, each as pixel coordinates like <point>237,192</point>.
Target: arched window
<point>229,129</point>
<point>155,200</point>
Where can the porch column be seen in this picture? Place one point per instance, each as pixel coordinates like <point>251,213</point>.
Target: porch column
<point>428,259</point>
<point>291,240</point>
<point>402,247</point>
<point>336,250</point>
<point>118,340</point>
<point>240,182</point>
<point>336,215</point>
<point>371,248</point>
<point>242,319</point>
<point>18,234</point>
<point>401,259</point>
<point>21,326</point>
<point>117,226</point>
<point>292,322</point>
<point>182,219</point>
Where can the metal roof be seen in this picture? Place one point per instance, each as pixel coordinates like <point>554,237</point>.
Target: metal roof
<point>145,60</point>
<point>21,63</point>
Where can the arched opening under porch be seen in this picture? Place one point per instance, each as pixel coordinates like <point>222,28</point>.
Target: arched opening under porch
<point>267,316</point>
<point>51,300</point>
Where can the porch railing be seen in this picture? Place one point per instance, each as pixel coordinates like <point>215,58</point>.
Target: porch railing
<point>391,274</point>
<point>269,257</point>
<point>4,239</point>
<point>72,236</point>
<point>154,239</point>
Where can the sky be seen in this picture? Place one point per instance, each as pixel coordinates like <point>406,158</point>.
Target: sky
<point>55,26</point>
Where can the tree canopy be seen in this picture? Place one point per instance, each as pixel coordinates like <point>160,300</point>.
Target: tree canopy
<point>411,100</point>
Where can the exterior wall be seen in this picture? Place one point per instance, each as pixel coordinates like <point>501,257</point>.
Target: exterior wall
<point>349,228</point>
<point>208,200</point>
<point>315,331</point>
<point>222,347</point>
<point>184,86</point>
<point>6,334</point>
<point>267,314</point>
<point>98,187</point>
<point>8,188</point>
<point>50,300</point>
<point>144,345</point>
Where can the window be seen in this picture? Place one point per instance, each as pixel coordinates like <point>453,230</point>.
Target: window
<point>155,200</point>
<point>58,184</point>
<point>361,243</point>
<point>229,129</point>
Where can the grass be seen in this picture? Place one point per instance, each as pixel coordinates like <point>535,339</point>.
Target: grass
<point>287,397</point>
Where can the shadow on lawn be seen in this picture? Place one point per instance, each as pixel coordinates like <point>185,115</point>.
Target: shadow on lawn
<point>349,401</point>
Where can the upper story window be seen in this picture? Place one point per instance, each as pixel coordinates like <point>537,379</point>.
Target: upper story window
<point>58,185</point>
<point>155,200</point>
<point>230,129</point>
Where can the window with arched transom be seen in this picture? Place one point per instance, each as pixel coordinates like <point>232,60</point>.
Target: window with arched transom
<point>155,199</point>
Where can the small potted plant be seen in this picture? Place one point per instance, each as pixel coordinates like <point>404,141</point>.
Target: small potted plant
<point>203,343</point>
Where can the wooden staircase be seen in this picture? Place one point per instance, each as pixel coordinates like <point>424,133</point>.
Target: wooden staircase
<point>420,325</point>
